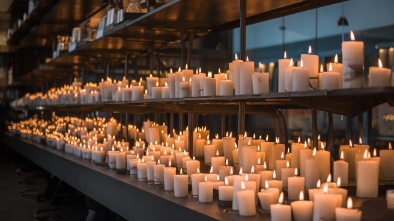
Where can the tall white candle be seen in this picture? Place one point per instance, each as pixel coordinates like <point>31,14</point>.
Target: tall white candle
<point>282,65</point>
<point>205,193</point>
<point>341,169</point>
<point>353,63</point>
<point>300,78</point>
<point>367,178</point>
<point>219,77</point>
<point>169,173</point>
<point>180,185</point>
<point>312,63</point>
<point>295,185</point>
<point>236,70</point>
<point>246,72</point>
<point>246,201</point>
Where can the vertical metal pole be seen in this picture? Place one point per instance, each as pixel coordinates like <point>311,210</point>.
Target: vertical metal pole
<point>330,132</point>
<point>190,48</point>
<point>171,124</point>
<point>107,70</point>
<point>127,126</point>
<point>241,118</point>
<point>126,65</point>
<point>181,121</point>
<point>223,125</point>
<point>242,28</point>
<point>367,135</point>
<point>314,129</point>
<point>191,126</point>
<point>360,127</point>
<point>151,59</point>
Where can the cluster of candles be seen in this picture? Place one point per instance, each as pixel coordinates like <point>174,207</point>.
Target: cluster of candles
<point>298,171</point>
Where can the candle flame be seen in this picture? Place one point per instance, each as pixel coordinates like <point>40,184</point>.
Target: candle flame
<point>352,36</point>
<point>235,146</point>
<point>249,143</point>
<point>240,171</point>
<point>318,184</point>
<point>301,195</point>
<point>325,189</point>
<point>242,185</point>
<point>349,203</point>
<point>314,152</point>
<point>287,164</point>
<point>258,161</point>
<point>360,140</point>
<point>252,170</point>
<point>339,182</point>
<point>231,171</point>
<point>225,181</point>
<point>209,74</point>
<point>245,135</point>
<point>158,161</point>
<point>310,50</point>
<point>291,62</point>
<point>365,154</point>
<point>198,170</point>
<point>285,55</point>
<point>236,56</point>
<point>299,139</point>
<point>280,201</point>
<point>181,172</point>
<point>169,163</point>
<point>170,70</point>
<point>329,178</point>
<point>342,156</point>
<point>266,185</point>
<point>350,143</point>
<point>321,68</point>
<point>179,69</point>
<point>301,64</point>
<point>165,84</point>
<point>282,156</point>
<point>322,146</point>
<point>246,178</point>
<point>225,77</point>
<point>374,152</point>
<point>330,67</point>
<point>247,58</point>
<point>380,63</point>
<point>277,140</point>
<point>217,152</point>
<point>211,170</point>
<point>296,172</point>
<point>265,165</point>
<point>226,162</point>
<point>274,175</point>
<point>186,66</point>
<point>390,147</point>
<point>206,179</point>
<point>336,58</point>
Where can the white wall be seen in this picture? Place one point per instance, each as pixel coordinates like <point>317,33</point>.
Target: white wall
<point>361,14</point>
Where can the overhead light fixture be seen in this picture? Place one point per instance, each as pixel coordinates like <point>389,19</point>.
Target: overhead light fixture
<point>342,21</point>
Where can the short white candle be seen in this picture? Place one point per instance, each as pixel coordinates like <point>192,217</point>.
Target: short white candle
<point>169,173</point>
<point>348,214</point>
<point>379,76</point>
<point>226,192</point>
<point>367,178</point>
<point>280,212</point>
<point>302,210</point>
<point>260,83</point>
<point>246,201</point>
<point>205,192</point>
<point>180,185</point>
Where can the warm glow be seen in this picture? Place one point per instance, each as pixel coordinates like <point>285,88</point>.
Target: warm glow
<point>181,172</point>
<point>242,185</point>
<point>318,184</point>
<point>198,170</point>
<point>342,156</point>
<point>374,152</point>
<point>209,74</point>
<point>301,64</point>
<point>329,178</point>
<point>336,58</point>
<point>276,139</point>
<point>274,175</point>
<point>288,150</point>
<point>226,181</point>
<point>217,152</point>
<point>360,140</point>
<point>252,170</point>
<point>183,78</point>
<point>169,163</point>
<point>240,171</point>
<point>299,139</point>
<point>325,189</point>
<point>310,50</point>
<point>245,135</point>
<point>266,185</point>
<point>349,203</point>
<point>287,164</point>
<point>258,161</point>
<point>186,66</point>
<point>321,68</point>
<point>249,143</point>
<point>280,201</point>
<point>322,146</point>
<point>330,67</point>
<point>282,156</point>
<point>285,55</point>
<point>179,69</point>
<point>165,84</point>
<point>301,195</point>
<point>291,62</point>
<point>352,36</point>
<point>225,77</point>
<point>231,171</point>
<point>314,152</point>
<point>350,143</point>
<point>339,182</point>
<point>365,154</point>
<point>265,165</point>
<point>390,147</point>
<point>246,178</point>
<point>236,56</point>
<point>211,170</point>
<point>296,172</point>
<point>247,58</point>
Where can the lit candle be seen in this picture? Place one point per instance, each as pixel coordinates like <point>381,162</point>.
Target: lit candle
<point>367,177</point>
<point>300,78</point>
<point>295,151</point>
<point>158,171</point>
<point>282,65</point>
<point>246,201</point>
<point>209,152</point>
<point>196,88</point>
<point>150,83</point>
<point>260,83</point>
<point>295,185</point>
<point>171,84</point>
<point>121,160</point>
<point>142,170</point>
<point>330,80</point>
<point>224,170</point>
<point>180,185</point>
<point>353,63</point>
<point>324,158</point>
<point>209,85</point>
<point>218,143</point>
<point>237,187</point>
<point>304,155</point>
<point>246,72</point>
<point>156,91</point>
<point>340,191</point>
<point>226,192</point>
<point>312,171</point>
<point>341,169</point>
<point>192,166</point>
<point>282,163</point>
<point>302,210</point>
<point>289,76</point>
<point>226,87</point>
<point>184,88</point>
<point>275,153</point>
<point>150,170</point>
<point>280,212</point>
<point>249,157</point>
<point>350,157</point>
<point>311,62</point>
<point>228,147</point>
<point>169,173</point>
<point>165,91</point>
<point>236,74</point>
<point>268,196</point>
<point>386,163</point>
<point>379,76</point>
<point>324,205</point>
<point>286,173</point>
<point>219,77</point>
<point>275,183</point>
<point>196,178</point>
<point>137,92</point>
<point>349,214</point>
<point>266,174</point>
<point>205,193</point>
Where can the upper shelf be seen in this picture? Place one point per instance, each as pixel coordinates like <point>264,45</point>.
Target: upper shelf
<point>349,102</point>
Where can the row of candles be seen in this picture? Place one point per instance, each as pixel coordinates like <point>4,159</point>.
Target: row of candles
<point>241,79</point>
<point>154,164</point>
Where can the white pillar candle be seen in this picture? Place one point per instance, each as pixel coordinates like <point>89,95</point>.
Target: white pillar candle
<point>330,80</point>
<point>156,92</point>
<point>171,85</point>
<point>158,171</point>
<point>236,187</point>
<point>280,212</point>
<point>150,171</point>
<point>266,147</point>
<point>249,158</point>
<point>184,89</point>
<point>260,83</point>
<point>137,93</point>
<point>226,87</point>
<point>302,210</point>
<point>300,79</point>
<point>224,171</point>
<point>216,162</point>
<point>311,62</point>
<point>348,214</point>
<point>169,173</point>
<point>267,197</point>
<point>295,185</point>
<point>218,183</point>
<point>218,143</point>
<point>312,172</point>
<point>192,166</point>
<point>219,77</point>
<point>336,67</point>
<point>126,94</point>
<point>341,169</point>
<point>180,185</point>
<point>304,154</point>
<point>276,154</point>
<point>242,142</point>
<point>235,156</point>
<point>246,201</point>
<point>142,171</point>
<point>282,65</point>
<point>339,191</point>
<point>324,205</point>
<point>275,183</point>
<point>386,163</point>
<point>205,192</point>
<point>202,77</point>
<point>209,152</point>
<point>324,158</point>
<point>209,85</point>
<point>285,173</point>
<point>246,72</point>
<point>112,159</point>
<point>289,76</point>
<point>236,69</point>
<point>165,91</point>
<point>121,161</point>
<point>196,85</point>
<point>195,180</point>
<point>279,165</point>
<point>226,192</point>
<point>185,160</point>
<point>295,151</point>
<point>150,83</point>
<point>367,178</point>
<point>200,143</point>
<point>265,175</point>
<point>228,147</point>
<point>350,157</point>
<point>178,79</point>
<point>353,63</point>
